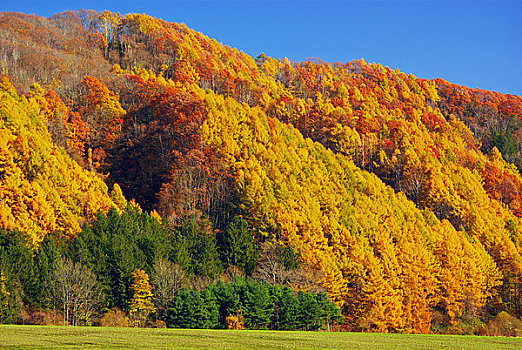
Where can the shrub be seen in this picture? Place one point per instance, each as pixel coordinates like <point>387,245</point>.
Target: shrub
<point>115,318</point>
<point>504,325</point>
<point>43,318</point>
<point>160,324</point>
<point>236,322</point>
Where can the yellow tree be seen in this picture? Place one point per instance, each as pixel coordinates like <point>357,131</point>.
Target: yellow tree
<point>141,305</point>
<point>419,285</point>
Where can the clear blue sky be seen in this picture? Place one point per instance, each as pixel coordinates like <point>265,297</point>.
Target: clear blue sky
<point>473,43</point>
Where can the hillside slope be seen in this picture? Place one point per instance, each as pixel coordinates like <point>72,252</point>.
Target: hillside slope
<point>376,178</point>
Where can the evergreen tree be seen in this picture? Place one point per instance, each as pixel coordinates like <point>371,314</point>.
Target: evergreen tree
<point>256,302</point>
<point>309,316</point>
<point>16,261</point>
<point>183,310</point>
<point>288,310</point>
<point>209,310</point>
<point>238,247</point>
<point>50,251</point>
<point>227,299</point>
<point>202,248</point>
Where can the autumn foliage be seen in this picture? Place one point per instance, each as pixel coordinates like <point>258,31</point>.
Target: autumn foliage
<point>401,195</point>
<point>42,189</point>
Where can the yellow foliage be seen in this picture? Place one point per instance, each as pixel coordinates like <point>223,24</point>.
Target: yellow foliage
<point>141,305</point>
<point>236,322</point>
<point>371,244</point>
<point>41,189</point>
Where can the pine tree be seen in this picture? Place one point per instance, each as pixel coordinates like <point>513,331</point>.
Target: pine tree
<point>238,247</point>
<point>288,309</point>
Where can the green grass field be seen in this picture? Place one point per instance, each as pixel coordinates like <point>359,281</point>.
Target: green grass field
<point>51,337</point>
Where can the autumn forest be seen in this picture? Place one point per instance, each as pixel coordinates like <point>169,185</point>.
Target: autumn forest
<point>151,176</point>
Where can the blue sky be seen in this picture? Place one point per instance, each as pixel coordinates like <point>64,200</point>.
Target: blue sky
<point>473,43</point>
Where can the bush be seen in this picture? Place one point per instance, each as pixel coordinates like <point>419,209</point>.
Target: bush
<point>160,324</point>
<point>115,318</point>
<point>236,322</point>
<point>43,318</point>
<point>504,325</point>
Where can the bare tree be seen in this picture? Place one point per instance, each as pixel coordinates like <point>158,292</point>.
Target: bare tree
<point>271,268</point>
<point>167,279</point>
<point>75,290</point>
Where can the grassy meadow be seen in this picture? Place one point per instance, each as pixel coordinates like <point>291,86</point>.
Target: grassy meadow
<point>53,337</point>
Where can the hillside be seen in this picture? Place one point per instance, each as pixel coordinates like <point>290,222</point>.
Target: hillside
<point>398,196</point>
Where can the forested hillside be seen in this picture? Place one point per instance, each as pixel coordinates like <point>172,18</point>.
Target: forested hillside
<point>43,190</point>
<point>398,197</point>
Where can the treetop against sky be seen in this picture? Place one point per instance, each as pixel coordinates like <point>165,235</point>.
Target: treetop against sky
<point>476,44</point>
